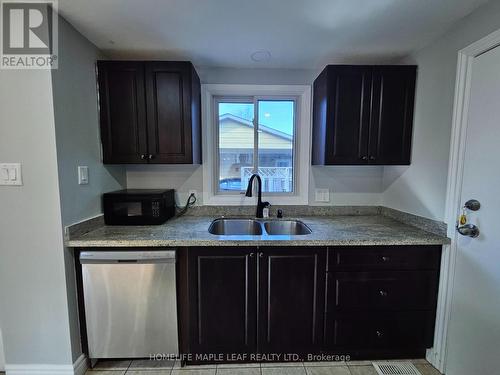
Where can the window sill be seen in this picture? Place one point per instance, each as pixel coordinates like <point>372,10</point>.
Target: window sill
<point>237,200</point>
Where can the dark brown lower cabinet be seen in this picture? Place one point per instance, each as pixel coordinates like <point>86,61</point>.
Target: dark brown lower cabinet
<point>379,330</point>
<point>249,300</point>
<point>291,294</point>
<point>223,300</point>
<point>365,302</point>
<point>381,300</point>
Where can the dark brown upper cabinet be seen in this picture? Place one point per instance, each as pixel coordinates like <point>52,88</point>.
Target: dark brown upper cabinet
<point>363,115</point>
<point>149,112</point>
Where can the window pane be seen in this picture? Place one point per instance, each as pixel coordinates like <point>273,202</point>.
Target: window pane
<point>276,142</point>
<point>236,145</point>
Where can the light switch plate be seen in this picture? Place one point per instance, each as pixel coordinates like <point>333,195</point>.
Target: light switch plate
<point>83,175</point>
<point>322,195</point>
<point>11,174</point>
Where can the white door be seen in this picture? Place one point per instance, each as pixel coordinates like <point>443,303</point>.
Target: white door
<point>474,331</point>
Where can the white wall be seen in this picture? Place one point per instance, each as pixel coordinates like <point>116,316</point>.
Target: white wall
<point>39,316</point>
<point>77,142</point>
<point>349,185</point>
<point>77,128</point>
<point>421,188</point>
<point>33,308</point>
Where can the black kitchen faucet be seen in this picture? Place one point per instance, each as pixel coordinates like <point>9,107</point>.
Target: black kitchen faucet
<point>260,205</point>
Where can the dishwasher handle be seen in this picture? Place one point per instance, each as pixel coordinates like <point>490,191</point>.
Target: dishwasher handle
<point>146,256</point>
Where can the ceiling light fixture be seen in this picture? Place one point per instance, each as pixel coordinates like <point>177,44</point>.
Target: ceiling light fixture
<point>261,56</point>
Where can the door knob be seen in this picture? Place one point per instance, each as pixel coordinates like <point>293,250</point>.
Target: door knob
<point>472,205</point>
<point>469,230</point>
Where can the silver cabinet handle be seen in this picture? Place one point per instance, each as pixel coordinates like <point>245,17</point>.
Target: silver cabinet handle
<point>261,255</point>
<point>372,157</point>
<point>143,156</point>
<point>252,255</point>
<point>150,156</point>
<point>383,293</point>
<point>469,230</point>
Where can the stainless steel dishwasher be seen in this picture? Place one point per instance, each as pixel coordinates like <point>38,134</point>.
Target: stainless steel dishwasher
<point>130,303</point>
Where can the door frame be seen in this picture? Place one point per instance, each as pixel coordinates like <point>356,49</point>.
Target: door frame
<point>438,354</point>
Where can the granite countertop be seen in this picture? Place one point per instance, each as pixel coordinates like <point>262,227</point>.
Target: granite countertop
<point>326,231</point>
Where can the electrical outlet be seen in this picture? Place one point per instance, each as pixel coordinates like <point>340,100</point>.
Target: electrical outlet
<point>322,195</point>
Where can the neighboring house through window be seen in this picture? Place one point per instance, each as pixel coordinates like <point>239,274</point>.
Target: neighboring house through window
<point>255,136</point>
<point>256,129</point>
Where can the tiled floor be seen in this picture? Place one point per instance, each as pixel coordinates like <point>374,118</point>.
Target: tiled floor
<point>146,367</point>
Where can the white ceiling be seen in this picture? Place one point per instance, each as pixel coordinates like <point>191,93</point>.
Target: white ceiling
<point>299,33</point>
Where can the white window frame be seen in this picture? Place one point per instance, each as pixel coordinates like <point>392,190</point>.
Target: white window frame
<point>302,136</point>
<point>254,100</point>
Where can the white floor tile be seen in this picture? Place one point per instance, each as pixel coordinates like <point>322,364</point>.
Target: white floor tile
<point>282,364</point>
<point>149,372</point>
<point>112,364</point>
<point>330,370</point>
<point>290,370</point>
<point>325,364</point>
<point>147,364</point>
<point>192,371</point>
<point>238,365</point>
<point>362,370</point>
<point>239,371</point>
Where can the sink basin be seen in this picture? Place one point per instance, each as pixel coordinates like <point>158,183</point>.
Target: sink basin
<point>235,227</point>
<point>286,227</point>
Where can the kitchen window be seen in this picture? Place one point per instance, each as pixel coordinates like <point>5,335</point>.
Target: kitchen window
<point>262,129</point>
<point>255,135</point>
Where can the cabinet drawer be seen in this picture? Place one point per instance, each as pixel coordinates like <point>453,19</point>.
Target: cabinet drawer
<point>379,331</point>
<point>384,257</point>
<point>382,290</point>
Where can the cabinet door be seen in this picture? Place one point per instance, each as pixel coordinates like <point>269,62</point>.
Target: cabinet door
<point>348,115</point>
<point>223,300</point>
<point>168,87</point>
<point>392,115</point>
<point>291,299</point>
<point>122,112</point>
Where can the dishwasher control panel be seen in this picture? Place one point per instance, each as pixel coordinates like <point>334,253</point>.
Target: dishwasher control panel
<point>127,256</point>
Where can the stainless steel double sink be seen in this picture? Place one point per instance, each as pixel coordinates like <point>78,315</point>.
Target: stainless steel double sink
<point>258,227</point>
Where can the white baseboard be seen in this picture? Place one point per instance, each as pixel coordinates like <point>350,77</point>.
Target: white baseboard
<point>78,368</point>
<point>81,365</point>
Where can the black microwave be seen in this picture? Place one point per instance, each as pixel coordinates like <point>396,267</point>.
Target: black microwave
<point>138,206</point>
